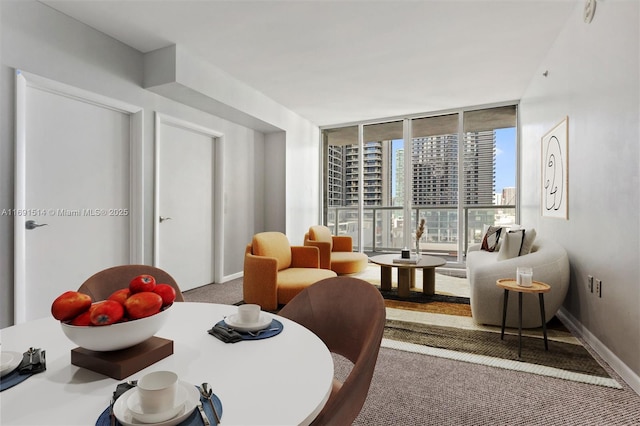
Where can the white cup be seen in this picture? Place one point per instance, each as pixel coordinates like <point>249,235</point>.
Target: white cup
<point>524,276</point>
<point>157,391</point>
<point>248,313</point>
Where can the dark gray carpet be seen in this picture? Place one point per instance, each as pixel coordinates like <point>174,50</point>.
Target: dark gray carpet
<point>414,389</point>
<point>229,293</point>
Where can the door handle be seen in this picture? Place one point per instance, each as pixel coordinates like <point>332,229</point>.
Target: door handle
<point>32,224</point>
<point>162,218</point>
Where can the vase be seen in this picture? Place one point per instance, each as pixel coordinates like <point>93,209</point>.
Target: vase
<point>418,249</point>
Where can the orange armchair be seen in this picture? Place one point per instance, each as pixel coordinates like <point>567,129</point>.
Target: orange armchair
<point>275,272</point>
<point>336,251</point>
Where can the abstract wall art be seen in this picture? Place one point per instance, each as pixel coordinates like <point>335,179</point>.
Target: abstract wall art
<point>555,172</point>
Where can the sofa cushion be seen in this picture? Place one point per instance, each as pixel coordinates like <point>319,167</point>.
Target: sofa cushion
<point>321,233</point>
<point>491,238</point>
<point>527,243</point>
<point>273,244</point>
<point>344,262</point>
<point>511,244</point>
<point>293,280</point>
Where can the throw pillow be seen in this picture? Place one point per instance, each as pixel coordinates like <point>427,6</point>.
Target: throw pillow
<point>511,244</point>
<point>491,238</point>
<point>527,243</point>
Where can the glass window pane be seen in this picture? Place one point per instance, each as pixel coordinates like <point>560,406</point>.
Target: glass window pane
<point>380,171</point>
<point>434,161</point>
<point>489,168</point>
<point>434,165</point>
<point>341,157</point>
<point>480,150</point>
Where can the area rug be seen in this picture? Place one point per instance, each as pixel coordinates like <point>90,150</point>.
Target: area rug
<point>565,358</point>
<point>441,325</point>
<point>445,307</point>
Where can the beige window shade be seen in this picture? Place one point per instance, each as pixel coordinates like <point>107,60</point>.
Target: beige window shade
<point>490,119</point>
<point>383,131</point>
<point>342,136</point>
<point>372,133</point>
<point>434,126</point>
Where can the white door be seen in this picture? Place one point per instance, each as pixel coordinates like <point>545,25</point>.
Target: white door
<point>73,179</point>
<point>185,194</point>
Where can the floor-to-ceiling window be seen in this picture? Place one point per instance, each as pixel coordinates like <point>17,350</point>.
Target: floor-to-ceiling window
<point>457,171</point>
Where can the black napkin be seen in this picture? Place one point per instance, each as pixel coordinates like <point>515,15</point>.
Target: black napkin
<point>225,334</point>
<point>122,388</point>
<point>33,361</point>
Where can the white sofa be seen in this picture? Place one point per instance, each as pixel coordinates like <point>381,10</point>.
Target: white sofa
<point>550,264</point>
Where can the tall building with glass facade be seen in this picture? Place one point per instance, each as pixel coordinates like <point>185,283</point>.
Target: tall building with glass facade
<point>343,174</point>
<point>435,169</point>
<point>399,197</point>
<point>434,172</point>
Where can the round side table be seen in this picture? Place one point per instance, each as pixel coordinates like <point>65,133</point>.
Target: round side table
<point>537,287</point>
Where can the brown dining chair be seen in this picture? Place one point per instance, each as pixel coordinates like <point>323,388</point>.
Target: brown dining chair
<point>348,315</point>
<point>101,284</point>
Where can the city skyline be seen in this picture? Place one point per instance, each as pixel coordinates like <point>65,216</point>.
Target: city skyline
<point>505,159</point>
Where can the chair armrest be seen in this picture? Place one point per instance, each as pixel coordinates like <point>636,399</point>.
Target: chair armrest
<point>325,251</point>
<point>305,257</point>
<point>342,243</point>
<point>259,284</point>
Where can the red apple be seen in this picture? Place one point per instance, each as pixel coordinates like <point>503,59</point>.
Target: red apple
<point>69,305</point>
<point>83,320</point>
<point>144,304</point>
<point>167,293</point>
<point>120,295</point>
<point>142,283</point>
<point>106,312</point>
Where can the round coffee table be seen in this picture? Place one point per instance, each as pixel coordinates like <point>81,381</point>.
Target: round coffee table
<point>406,272</point>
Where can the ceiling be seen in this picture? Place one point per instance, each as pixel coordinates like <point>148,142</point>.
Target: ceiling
<point>336,62</point>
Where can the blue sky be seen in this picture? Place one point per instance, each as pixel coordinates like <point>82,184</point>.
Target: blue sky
<point>505,159</point>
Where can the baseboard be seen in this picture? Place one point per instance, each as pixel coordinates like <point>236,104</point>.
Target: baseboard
<point>226,278</point>
<point>628,375</point>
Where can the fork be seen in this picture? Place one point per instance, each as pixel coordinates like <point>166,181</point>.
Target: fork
<point>205,419</point>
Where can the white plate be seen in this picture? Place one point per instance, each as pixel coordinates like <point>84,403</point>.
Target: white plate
<point>134,406</point>
<point>125,416</point>
<point>263,322</point>
<point>9,361</point>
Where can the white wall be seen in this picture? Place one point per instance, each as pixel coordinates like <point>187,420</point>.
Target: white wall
<point>292,145</point>
<point>593,78</point>
<point>37,39</point>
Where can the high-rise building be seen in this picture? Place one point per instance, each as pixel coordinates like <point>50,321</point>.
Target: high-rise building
<point>399,198</point>
<point>435,169</point>
<point>509,196</point>
<point>376,174</point>
<point>479,167</point>
<point>434,172</point>
<point>335,176</point>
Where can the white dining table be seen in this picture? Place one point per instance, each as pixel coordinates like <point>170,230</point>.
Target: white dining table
<point>282,380</point>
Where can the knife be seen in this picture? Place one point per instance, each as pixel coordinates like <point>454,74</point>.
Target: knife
<point>205,419</point>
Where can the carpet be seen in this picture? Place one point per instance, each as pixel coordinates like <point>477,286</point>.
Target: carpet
<point>565,359</point>
<point>441,325</point>
<point>437,307</point>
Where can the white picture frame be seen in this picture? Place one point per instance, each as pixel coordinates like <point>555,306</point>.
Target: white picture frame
<point>554,171</point>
